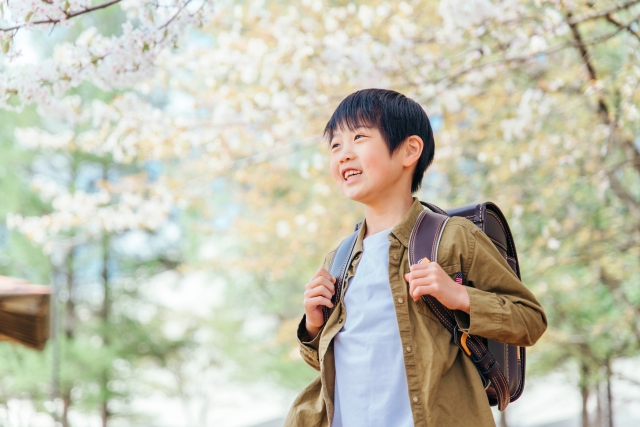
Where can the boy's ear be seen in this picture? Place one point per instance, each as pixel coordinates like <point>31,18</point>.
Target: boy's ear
<point>413,147</point>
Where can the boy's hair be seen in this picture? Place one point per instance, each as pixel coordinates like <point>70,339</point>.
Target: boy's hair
<point>394,115</point>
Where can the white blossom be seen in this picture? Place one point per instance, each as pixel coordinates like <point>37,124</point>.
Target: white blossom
<point>108,62</point>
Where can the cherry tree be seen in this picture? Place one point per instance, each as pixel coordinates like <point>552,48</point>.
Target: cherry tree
<point>534,104</point>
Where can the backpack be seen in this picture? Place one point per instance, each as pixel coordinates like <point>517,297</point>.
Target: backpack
<point>501,366</point>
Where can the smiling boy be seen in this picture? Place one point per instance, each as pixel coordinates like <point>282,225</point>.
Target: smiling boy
<point>384,358</point>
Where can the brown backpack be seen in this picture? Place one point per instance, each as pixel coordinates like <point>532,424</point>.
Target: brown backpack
<point>501,366</point>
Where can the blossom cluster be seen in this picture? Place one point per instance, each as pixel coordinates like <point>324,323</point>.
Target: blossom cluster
<point>91,215</point>
<point>126,129</point>
<point>108,62</point>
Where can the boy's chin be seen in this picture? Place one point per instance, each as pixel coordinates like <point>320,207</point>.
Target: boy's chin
<point>356,196</point>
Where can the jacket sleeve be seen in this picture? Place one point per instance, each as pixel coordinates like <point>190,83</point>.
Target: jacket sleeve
<point>308,346</point>
<point>501,307</point>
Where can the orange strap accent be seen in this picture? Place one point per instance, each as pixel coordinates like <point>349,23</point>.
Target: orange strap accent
<point>463,342</point>
<point>424,260</point>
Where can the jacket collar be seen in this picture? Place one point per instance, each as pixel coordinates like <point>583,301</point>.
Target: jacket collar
<point>401,231</point>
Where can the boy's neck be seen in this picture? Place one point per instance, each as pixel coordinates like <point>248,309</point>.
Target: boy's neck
<point>386,212</point>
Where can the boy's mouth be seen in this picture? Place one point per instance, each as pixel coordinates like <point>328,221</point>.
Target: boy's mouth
<point>348,173</point>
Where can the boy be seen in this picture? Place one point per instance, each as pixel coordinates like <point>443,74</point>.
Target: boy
<point>384,359</point>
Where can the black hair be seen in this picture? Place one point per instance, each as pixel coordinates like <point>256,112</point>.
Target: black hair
<point>394,115</point>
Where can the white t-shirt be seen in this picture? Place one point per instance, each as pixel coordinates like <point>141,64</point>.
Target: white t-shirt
<point>371,384</point>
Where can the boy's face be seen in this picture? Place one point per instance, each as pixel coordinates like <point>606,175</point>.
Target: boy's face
<point>361,165</point>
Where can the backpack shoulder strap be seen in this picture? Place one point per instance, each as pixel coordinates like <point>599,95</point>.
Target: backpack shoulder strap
<point>427,230</point>
<point>423,242</point>
<point>338,268</point>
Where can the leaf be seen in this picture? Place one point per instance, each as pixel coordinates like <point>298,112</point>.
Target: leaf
<point>5,46</point>
<point>28,17</point>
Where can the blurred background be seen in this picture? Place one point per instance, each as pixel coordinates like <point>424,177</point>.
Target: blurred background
<point>163,172</point>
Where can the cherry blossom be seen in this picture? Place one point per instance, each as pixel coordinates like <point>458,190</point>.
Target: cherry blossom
<point>108,62</point>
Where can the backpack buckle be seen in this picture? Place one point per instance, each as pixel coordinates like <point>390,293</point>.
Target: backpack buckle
<point>460,338</point>
<point>463,343</point>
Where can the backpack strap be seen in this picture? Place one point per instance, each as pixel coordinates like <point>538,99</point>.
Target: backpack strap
<point>428,231</point>
<point>338,268</point>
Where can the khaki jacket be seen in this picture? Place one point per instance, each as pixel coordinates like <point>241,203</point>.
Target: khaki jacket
<point>445,389</point>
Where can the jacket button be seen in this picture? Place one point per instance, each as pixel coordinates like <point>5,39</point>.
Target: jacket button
<point>416,399</point>
<point>340,321</point>
<point>395,256</point>
<point>408,349</point>
<point>400,300</point>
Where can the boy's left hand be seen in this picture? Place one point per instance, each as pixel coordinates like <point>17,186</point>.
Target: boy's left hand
<point>431,279</point>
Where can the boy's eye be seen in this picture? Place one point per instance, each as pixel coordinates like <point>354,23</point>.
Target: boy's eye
<point>334,145</point>
<point>358,136</point>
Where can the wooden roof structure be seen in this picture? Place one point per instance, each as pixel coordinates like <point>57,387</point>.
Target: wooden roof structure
<point>24,312</point>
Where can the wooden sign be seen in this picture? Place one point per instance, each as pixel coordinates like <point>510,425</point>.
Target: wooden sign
<point>24,312</point>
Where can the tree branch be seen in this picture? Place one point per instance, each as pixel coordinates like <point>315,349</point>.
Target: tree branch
<point>67,16</point>
<point>627,27</point>
<point>614,286</point>
<point>630,380</point>
<point>176,14</point>
<point>623,194</point>
<point>586,58</point>
<point>633,152</point>
<point>602,13</point>
<point>523,58</point>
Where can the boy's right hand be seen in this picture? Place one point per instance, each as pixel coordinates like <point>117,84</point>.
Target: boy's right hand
<point>318,293</point>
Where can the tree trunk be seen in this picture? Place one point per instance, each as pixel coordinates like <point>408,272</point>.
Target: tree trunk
<point>55,340</point>
<point>69,330</point>
<point>70,324</point>
<point>104,414</point>
<point>584,392</point>
<point>66,403</point>
<point>598,421</point>
<point>104,314</point>
<point>609,396</point>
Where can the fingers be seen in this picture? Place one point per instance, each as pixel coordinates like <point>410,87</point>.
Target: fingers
<point>419,282</point>
<point>311,303</point>
<point>321,281</point>
<point>324,273</point>
<point>422,286</point>
<point>424,266</point>
<point>420,291</point>
<point>421,270</point>
<point>318,291</point>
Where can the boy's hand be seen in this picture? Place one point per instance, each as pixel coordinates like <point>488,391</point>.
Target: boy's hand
<point>318,293</point>
<point>431,279</point>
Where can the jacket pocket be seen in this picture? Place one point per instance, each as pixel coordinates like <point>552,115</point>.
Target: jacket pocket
<point>452,270</point>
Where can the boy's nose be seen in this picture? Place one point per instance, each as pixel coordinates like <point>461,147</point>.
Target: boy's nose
<point>346,156</point>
